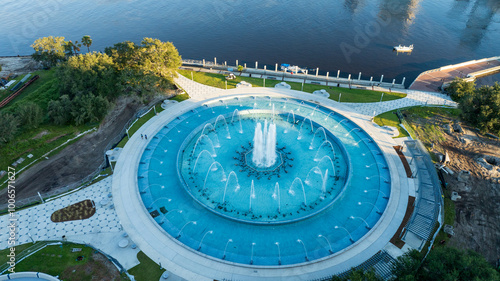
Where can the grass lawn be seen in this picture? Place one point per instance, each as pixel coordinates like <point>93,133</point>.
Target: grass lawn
<point>346,95</point>
<point>19,249</point>
<point>180,98</point>
<point>5,93</point>
<point>428,112</point>
<point>449,216</point>
<point>40,92</point>
<point>55,259</point>
<point>40,140</point>
<point>390,119</point>
<point>37,142</point>
<point>146,270</point>
<point>59,260</point>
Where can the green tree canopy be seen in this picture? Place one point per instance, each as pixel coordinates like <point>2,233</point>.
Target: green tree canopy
<point>359,275</point>
<point>9,126</point>
<point>146,68</point>
<point>59,110</point>
<point>124,55</point>
<point>480,107</point>
<point>31,114</point>
<point>446,263</point>
<point>88,73</point>
<point>159,58</point>
<point>89,108</point>
<point>406,266</point>
<point>459,89</point>
<point>49,50</point>
<point>87,42</point>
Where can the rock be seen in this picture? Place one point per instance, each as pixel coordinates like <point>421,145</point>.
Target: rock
<point>447,129</point>
<point>457,128</point>
<point>455,196</point>
<point>463,176</point>
<point>448,229</point>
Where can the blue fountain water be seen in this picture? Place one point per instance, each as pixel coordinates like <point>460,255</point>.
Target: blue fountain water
<point>218,196</point>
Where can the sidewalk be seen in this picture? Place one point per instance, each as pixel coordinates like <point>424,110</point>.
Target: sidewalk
<point>199,91</point>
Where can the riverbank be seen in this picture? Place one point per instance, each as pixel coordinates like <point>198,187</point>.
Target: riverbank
<point>17,65</point>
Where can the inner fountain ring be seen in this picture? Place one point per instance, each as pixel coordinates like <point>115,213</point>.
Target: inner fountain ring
<point>253,112</point>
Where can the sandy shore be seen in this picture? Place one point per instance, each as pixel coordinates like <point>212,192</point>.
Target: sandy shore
<point>17,65</point>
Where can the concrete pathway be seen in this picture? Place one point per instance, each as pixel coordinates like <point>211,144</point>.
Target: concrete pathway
<point>413,98</point>
<point>199,91</point>
<point>103,230</point>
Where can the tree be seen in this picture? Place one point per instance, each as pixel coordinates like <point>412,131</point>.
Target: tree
<point>359,275</point>
<point>9,126</point>
<point>459,88</point>
<point>480,107</point>
<point>59,111</point>
<point>159,58</point>
<point>31,115</point>
<point>446,263</point>
<point>147,68</point>
<point>87,42</point>
<point>49,50</point>
<point>71,48</point>
<point>88,73</point>
<point>240,68</point>
<point>89,108</point>
<point>124,55</point>
<point>406,266</point>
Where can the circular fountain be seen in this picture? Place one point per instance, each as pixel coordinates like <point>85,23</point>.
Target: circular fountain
<point>258,179</point>
<point>261,182</point>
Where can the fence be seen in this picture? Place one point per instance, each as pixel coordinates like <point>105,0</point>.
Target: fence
<point>12,96</point>
<point>313,78</point>
<point>24,254</point>
<point>406,125</point>
<point>88,179</point>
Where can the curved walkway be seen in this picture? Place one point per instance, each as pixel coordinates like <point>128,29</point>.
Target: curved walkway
<point>102,230</point>
<point>178,259</point>
<point>199,91</point>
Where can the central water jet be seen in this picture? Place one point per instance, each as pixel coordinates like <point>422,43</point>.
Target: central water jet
<point>264,145</point>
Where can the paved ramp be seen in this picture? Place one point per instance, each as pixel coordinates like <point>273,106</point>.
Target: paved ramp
<point>433,79</point>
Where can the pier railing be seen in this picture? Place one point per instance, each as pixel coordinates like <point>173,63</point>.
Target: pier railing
<point>277,74</point>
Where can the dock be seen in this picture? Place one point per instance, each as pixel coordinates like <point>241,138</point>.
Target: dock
<point>436,79</point>
<point>275,74</point>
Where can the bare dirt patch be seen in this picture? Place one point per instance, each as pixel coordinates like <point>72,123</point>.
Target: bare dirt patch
<point>77,160</point>
<point>55,138</point>
<point>17,65</point>
<point>41,134</point>
<point>477,218</point>
<point>97,268</point>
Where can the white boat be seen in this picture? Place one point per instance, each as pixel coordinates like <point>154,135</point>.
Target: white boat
<point>292,68</point>
<point>403,48</point>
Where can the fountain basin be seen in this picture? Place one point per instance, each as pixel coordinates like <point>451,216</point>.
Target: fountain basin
<point>228,196</point>
<point>154,174</point>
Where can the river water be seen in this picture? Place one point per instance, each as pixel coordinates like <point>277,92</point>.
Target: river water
<point>350,35</point>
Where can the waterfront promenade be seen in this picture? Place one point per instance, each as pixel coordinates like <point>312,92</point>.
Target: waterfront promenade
<point>413,98</point>
<point>434,79</point>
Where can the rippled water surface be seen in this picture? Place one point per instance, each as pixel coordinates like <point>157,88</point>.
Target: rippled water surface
<point>350,35</point>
